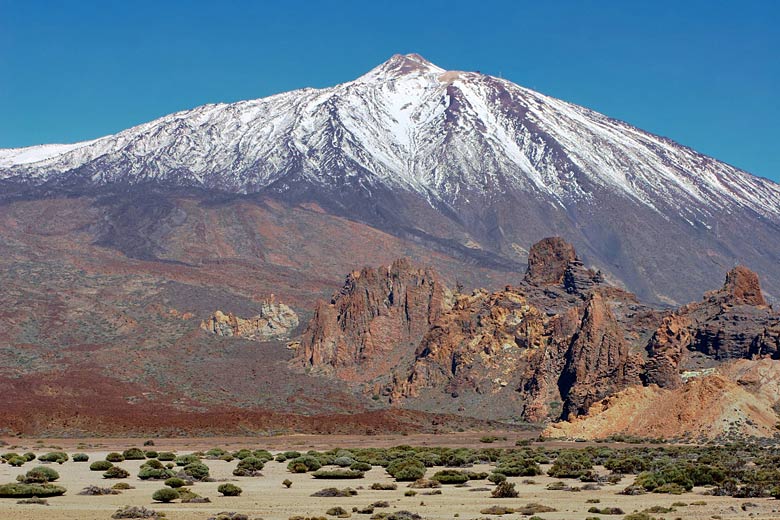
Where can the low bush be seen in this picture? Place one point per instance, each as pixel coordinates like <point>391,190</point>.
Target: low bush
<point>196,470</point>
<point>384,486</point>
<point>287,483</point>
<point>450,476</point>
<point>183,460</point>
<point>249,467</point>
<point>151,454</point>
<point>165,495</point>
<point>229,490</point>
<point>134,454</point>
<point>360,466</point>
<point>175,482</point>
<point>136,512</point>
<point>504,490</point>
<point>21,490</point>
<point>335,492</point>
<point>337,474</point>
<point>115,457</point>
<point>39,475</point>
<point>55,456</point>
<point>98,491</point>
<point>80,457</point>
<point>606,510</point>
<point>303,464</point>
<point>406,470</point>
<point>166,456</point>
<point>100,465</point>
<point>150,472</point>
<point>116,472</point>
<point>338,511</point>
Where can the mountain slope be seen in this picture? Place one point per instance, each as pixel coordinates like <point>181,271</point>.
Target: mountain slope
<point>463,160</point>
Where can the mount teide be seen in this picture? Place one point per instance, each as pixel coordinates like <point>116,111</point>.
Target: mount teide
<point>464,164</point>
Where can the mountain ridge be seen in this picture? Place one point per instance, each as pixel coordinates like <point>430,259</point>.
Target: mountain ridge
<point>461,159</point>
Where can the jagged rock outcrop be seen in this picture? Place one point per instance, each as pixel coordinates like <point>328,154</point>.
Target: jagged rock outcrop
<point>553,261</point>
<point>548,260</point>
<point>743,285</point>
<point>548,348</point>
<point>374,321</point>
<point>733,322</point>
<point>274,321</point>
<point>598,362</point>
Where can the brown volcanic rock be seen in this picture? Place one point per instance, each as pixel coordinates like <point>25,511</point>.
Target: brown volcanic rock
<point>743,285</point>
<point>731,323</point>
<point>374,321</point>
<point>548,260</point>
<point>598,361</point>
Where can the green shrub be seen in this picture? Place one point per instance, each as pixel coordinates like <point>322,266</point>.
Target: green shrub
<point>338,511</point>
<point>134,454</point>
<point>148,472</point>
<point>263,455</point>
<point>16,461</point>
<point>100,465</point>
<point>116,472</point>
<point>287,483</point>
<point>343,462</point>
<point>20,490</point>
<point>115,457</point>
<point>165,495</point>
<point>406,470</point>
<point>80,457</point>
<point>56,456</point>
<point>166,456</point>
<point>606,510</point>
<point>249,467</point>
<point>197,470</point>
<point>519,467</point>
<point>151,454</point>
<point>570,464</point>
<point>340,473</point>
<point>382,486</point>
<point>30,456</point>
<point>229,490</point>
<point>39,475</point>
<point>504,490</point>
<point>303,464</point>
<point>450,476</point>
<point>175,482</point>
<point>496,478</point>
<point>360,466</point>
<point>215,453</point>
<point>183,460</point>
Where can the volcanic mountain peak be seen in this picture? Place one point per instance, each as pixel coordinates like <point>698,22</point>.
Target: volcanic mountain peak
<point>401,65</point>
<point>471,164</point>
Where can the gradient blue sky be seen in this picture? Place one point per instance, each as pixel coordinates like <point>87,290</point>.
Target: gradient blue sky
<point>705,73</point>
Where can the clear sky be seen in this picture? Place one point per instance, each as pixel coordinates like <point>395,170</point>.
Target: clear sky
<point>704,73</point>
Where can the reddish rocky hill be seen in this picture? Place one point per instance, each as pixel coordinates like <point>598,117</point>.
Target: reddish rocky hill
<point>548,348</point>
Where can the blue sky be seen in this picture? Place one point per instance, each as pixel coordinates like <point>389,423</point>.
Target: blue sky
<point>704,73</point>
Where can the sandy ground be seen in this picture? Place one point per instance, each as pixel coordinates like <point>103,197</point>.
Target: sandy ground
<point>265,497</point>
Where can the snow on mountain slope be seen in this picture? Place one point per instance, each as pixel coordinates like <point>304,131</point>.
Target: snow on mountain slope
<point>448,136</point>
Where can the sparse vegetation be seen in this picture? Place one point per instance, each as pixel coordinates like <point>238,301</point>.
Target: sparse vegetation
<point>229,490</point>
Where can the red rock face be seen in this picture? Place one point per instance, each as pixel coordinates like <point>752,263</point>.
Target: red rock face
<point>731,323</point>
<point>373,322</point>
<point>548,348</point>
<point>598,362</point>
<point>743,285</point>
<point>548,259</point>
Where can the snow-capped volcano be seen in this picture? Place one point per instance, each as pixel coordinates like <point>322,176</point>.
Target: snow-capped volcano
<point>503,162</point>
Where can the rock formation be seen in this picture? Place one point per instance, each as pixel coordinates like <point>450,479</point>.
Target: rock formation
<point>598,362</point>
<point>274,321</point>
<point>548,348</point>
<point>374,321</point>
<point>733,322</point>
